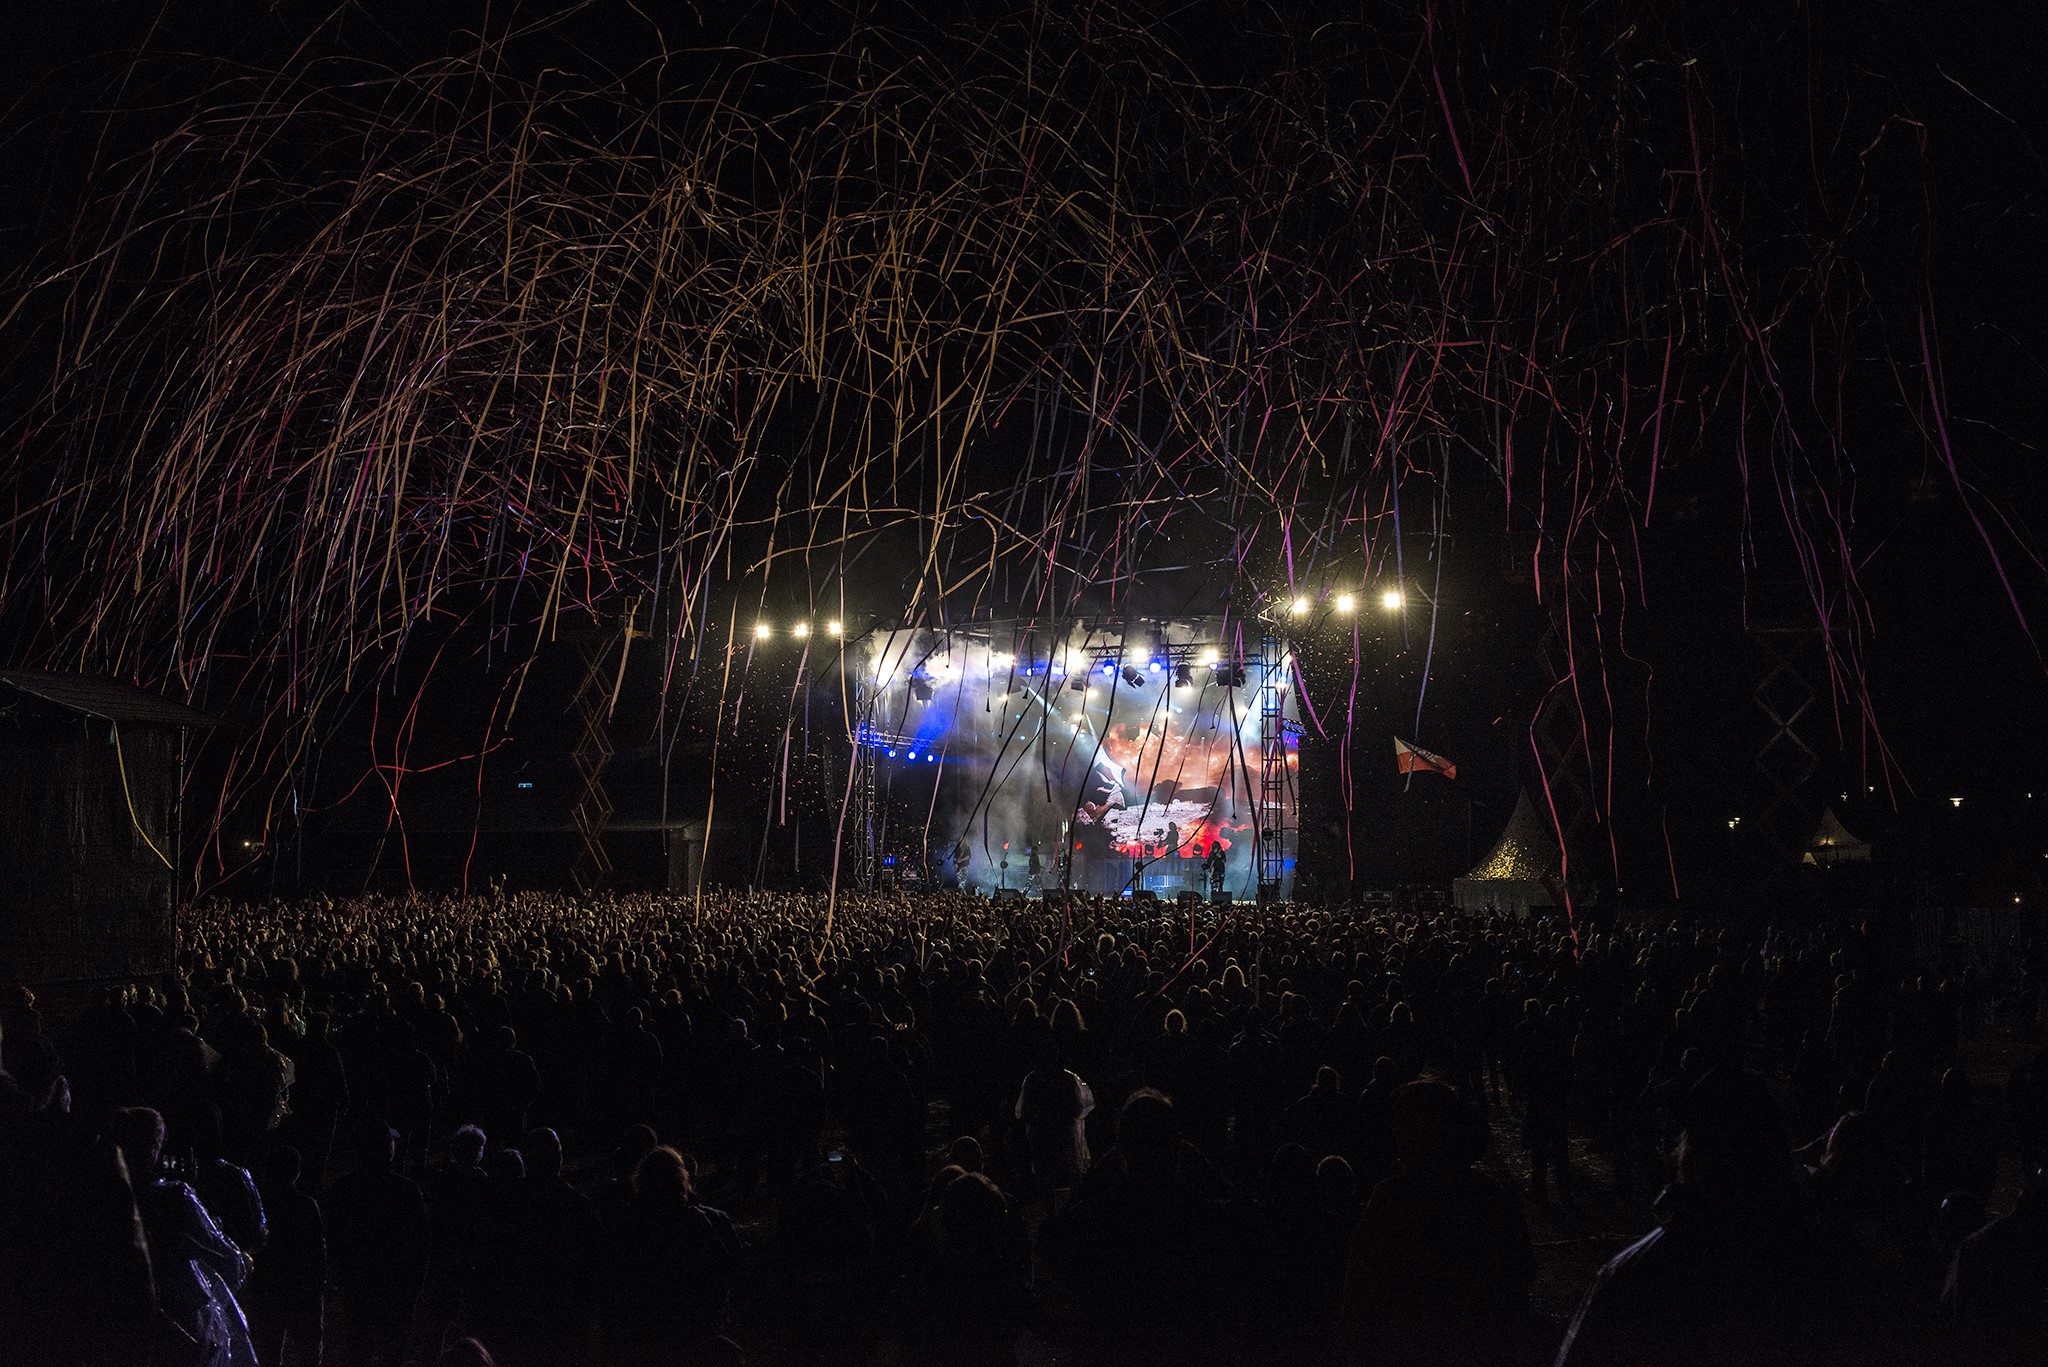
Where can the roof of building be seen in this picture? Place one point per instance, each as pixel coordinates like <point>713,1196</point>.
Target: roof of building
<point>105,699</point>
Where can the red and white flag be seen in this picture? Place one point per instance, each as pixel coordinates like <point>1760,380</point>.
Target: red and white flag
<point>1413,759</point>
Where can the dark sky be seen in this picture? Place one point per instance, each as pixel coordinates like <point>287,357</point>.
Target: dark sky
<point>1957,679</point>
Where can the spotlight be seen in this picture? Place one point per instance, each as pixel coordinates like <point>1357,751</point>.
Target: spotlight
<point>1393,600</point>
<point>1079,683</point>
<point>1133,677</point>
<point>834,629</point>
<point>913,756</point>
<point>800,630</point>
<point>1211,655</point>
<point>1345,602</point>
<point>892,754</point>
<point>762,631</point>
<point>1300,607</point>
<point>930,758</point>
<point>920,689</point>
<point>1155,666</point>
<point>1183,677</point>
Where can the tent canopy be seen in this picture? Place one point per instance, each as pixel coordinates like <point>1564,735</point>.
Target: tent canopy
<point>1832,843</point>
<point>1520,874</point>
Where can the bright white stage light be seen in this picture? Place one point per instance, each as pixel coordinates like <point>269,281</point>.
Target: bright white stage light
<point>834,629</point>
<point>762,631</point>
<point>1211,655</point>
<point>800,630</point>
<point>1392,600</point>
<point>1300,606</point>
<point>1345,602</point>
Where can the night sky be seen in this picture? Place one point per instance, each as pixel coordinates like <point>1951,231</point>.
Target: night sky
<point>1702,318</point>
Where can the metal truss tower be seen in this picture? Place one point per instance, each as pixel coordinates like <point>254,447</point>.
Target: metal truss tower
<point>593,752</point>
<point>866,856</point>
<point>1271,842</point>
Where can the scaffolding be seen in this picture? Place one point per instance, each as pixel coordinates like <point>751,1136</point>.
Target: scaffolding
<point>1270,838</point>
<point>593,753</point>
<point>866,860</point>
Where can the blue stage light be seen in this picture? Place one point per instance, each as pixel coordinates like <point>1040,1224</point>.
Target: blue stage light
<point>1155,666</point>
<point>913,754</point>
<point>892,754</point>
<point>931,759</point>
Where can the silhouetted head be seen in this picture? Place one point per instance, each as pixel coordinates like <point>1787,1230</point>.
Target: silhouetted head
<point>284,1166</point>
<point>1147,1130</point>
<point>138,1132</point>
<point>467,1146</point>
<point>465,1353</point>
<point>966,1154</point>
<point>1434,1129</point>
<point>1336,1183</point>
<point>380,1145</point>
<point>1293,1172</point>
<point>543,1150</point>
<point>662,1175</point>
<point>1734,1133</point>
<point>638,1142</point>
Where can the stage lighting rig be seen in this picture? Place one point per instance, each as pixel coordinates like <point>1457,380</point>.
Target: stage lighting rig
<point>1134,677</point>
<point>920,688</point>
<point>1183,677</point>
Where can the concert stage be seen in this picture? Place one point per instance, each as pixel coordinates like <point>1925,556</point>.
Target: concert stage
<point>1150,755</point>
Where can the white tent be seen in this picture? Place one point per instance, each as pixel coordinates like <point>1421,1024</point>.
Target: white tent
<point>1521,873</point>
<point>1831,843</point>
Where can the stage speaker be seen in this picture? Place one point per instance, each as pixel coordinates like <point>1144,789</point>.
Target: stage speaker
<point>1219,899</point>
<point>1008,895</point>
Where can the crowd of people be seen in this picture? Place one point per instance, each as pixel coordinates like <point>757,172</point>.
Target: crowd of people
<point>651,1130</point>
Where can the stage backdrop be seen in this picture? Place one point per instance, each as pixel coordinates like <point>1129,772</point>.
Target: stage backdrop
<point>1003,763</point>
